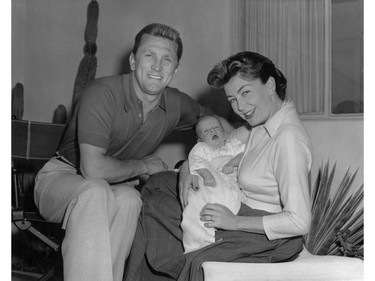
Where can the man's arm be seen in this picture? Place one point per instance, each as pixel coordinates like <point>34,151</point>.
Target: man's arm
<point>95,164</point>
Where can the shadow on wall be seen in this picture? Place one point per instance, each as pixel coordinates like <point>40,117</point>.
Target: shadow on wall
<point>124,66</point>
<point>216,100</point>
<point>348,106</point>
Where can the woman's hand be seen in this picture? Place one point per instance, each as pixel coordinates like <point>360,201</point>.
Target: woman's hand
<point>186,181</point>
<point>218,216</point>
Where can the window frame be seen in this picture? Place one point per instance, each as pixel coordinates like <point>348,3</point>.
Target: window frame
<point>237,43</point>
<point>327,114</point>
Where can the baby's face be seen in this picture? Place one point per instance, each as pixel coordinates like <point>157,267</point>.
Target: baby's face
<point>210,131</point>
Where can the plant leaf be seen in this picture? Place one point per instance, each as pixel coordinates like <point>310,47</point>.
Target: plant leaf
<point>334,211</point>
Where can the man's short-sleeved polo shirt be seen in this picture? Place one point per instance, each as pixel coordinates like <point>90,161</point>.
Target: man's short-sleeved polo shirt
<point>109,115</point>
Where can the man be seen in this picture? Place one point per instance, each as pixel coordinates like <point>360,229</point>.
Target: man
<point>117,124</point>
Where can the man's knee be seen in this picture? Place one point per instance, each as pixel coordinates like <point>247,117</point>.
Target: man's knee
<point>97,185</point>
<point>128,198</point>
<point>97,191</point>
<point>94,198</point>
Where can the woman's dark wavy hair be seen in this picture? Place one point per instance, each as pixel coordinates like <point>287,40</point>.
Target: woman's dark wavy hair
<point>249,65</point>
<point>159,30</point>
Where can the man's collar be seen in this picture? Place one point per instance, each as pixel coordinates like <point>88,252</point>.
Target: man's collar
<point>129,94</point>
<point>273,124</point>
<point>162,100</point>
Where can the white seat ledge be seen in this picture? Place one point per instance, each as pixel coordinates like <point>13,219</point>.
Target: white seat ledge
<point>305,267</point>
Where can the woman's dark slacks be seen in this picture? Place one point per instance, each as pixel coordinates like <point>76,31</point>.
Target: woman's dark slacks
<point>157,251</point>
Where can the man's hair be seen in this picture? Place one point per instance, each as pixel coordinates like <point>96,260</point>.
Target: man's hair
<point>159,30</point>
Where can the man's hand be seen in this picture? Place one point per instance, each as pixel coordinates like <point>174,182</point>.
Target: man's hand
<point>186,181</point>
<point>96,164</point>
<point>154,165</point>
<point>133,183</point>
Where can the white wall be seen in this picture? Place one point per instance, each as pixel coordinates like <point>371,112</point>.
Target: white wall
<point>340,141</point>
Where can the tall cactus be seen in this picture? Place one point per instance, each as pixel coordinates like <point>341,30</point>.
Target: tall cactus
<point>60,115</point>
<point>88,64</point>
<point>17,101</point>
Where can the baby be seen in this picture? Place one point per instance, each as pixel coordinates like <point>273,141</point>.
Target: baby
<point>215,160</point>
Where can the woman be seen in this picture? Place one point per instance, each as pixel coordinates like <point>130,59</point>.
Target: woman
<point>273,175</point>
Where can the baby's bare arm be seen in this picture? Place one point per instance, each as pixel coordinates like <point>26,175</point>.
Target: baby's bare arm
<point>233,163</point>
<point>208,178</point>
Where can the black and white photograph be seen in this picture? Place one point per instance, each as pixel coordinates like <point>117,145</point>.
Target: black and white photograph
<point>187,140</point>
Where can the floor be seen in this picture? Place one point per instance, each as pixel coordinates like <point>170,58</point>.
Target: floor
<point>27,276</point>
<point>32,258</point>
<point>54,275</point>
<point>24,276</point>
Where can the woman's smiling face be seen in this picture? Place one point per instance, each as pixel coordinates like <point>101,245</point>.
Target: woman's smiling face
<point>250,99</point>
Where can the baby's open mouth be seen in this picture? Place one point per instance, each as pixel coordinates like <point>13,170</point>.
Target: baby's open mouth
<point>215,137</point>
